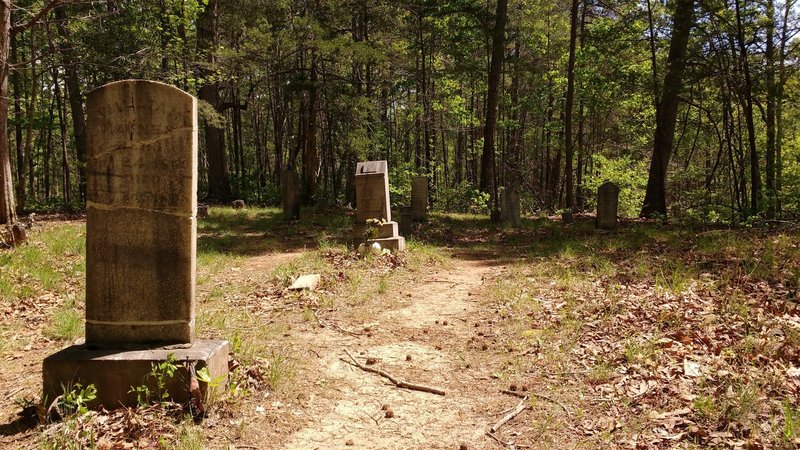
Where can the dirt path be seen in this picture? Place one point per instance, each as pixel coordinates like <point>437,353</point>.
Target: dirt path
<point>435,324</point>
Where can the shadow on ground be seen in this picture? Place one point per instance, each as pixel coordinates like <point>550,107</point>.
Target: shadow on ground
<point>251,232</point>
<point>637,249</point>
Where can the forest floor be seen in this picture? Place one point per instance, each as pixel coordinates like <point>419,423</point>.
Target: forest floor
<point>653,336</point>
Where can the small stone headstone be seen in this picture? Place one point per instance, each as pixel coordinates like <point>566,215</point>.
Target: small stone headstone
<point>372,202</point>
<point>607,206</point>
<point>290,195</point>
<point>419,198</point>
<point>202,211</point>
<point>305,282</point>
<point>238,204</point>
<point>406,221</point>
<point>509,207</point>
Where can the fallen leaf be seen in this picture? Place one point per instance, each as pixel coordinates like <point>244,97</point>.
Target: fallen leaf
<point>691,368</point>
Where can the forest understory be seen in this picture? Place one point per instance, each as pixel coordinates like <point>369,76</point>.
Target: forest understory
<point>654,336</point>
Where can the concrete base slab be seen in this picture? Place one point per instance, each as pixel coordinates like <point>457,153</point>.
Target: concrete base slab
<point>114,372</point>
<point>397,243</point>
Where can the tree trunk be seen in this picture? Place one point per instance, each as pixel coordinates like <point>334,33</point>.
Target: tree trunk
<point>771,95</point>
<point>219,185</point>
<point>311,156</point>
<point>66,182</point>
<point>7,208</point>
<point>655,201</point>
<point>17,85</point>
<point>490,127</point>
<point>75,96</point>
<point>573,37</point>
<point>755,173</point>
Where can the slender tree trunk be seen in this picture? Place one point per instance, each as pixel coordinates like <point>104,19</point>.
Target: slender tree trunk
<point>7,208</point>
<point>75,97</point>
<point>16,83</point>
<point>490,127</point>
<point>573,37</point>
<point>755,171</point>
<point>31,111</point>
<point>779,94</point>
<point>311,156</point>
<point>65,175</point>
<point>655,201</point>
<point>771,96</point>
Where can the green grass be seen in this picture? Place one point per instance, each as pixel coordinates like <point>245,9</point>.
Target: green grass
<point>66,324</point>
<point>52,260</point>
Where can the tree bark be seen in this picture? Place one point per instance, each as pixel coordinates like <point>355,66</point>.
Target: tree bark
<point>7,208</point>
<point>311,156</point>
<point>490,127</point>
<point>771,95</point>
<point>16,83</point>
<point>655,201</point>
<point>219,185</point>
<point>75,96</point>
<point>573,36</point>
<point>755,173</point>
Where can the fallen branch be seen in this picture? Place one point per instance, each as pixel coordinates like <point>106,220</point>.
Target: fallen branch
<point>395,381</point>
<point>533,394</point>
<point>522,406</point>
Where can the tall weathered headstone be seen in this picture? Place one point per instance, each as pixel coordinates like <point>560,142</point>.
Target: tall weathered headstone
<point>607,205</point>
<point>372,202</point>
<point>419,198</point>
<point>290,195</point>
<point>140,244</point>
<point>509,207</point>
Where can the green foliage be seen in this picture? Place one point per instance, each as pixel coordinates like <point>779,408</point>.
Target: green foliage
<point>160,374</point>
<point>463,198</point>
<point>75,398</point>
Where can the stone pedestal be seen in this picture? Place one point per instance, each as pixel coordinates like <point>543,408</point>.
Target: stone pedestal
<point>395,243</point>
<point>372,202</point>
<point>290,195</point>
<point>141,242</point>
<point>115,372</point>
<point>419,198</point>
<point>509,208</point>
<point>607,206</point>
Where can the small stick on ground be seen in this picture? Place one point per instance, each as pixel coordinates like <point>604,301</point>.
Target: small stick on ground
<point>333,326</point>
<point>395,381</point>
<point>504,444</point>
<point>522,406</point>
<point>533,394</point>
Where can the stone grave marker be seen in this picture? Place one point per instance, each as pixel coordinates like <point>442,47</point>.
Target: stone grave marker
<point>141,236</point>
<point>406,223</point>
<point>372,202</point>
<point>607,206</point>
<point>290,195</point>
<point>419,198</point>
<point>509,207</point>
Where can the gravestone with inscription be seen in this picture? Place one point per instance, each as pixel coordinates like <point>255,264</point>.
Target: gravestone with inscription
<point>509,207</point>
<point>372,202</point>
<point>419,198</point>
<point>290,195</point>
<point>140,246</point>
<point>607,206</point>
